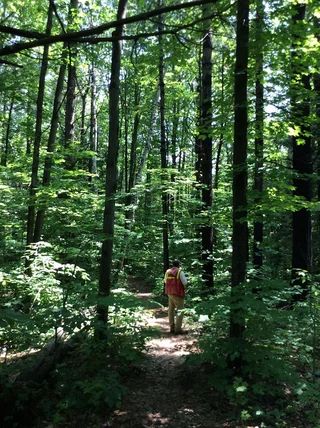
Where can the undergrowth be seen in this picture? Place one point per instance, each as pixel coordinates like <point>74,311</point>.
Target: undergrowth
<point>54,369</point>
<point>278,385</point>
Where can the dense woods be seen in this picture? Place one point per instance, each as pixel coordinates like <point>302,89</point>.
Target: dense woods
<point>137,132</point>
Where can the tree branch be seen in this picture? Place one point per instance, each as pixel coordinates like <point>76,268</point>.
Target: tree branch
<point>23,33</point>
<point>95,40</point>
<point>12,64</point>
<point>73,36</point>
<point>55,11</point>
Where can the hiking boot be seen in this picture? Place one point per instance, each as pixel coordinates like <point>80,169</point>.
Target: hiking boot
<point>181,332</point>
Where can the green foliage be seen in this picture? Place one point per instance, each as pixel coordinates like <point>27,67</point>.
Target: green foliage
<point>36,305</point>
<point>59,292</point>
<point>94,387</point>
<point>279,353</point>
<point>57,298</point>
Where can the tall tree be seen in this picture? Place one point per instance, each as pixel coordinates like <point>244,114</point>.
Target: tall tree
<point>259,126</point>
<point>48,162</point>
<point>301,154</point>
<point>6,137</point>
<point>38,133</point>
<point>222,119</point>
<point>316,126</point>
<point>239,185</point>
<point>163,149</point>
<point>93,122</point>
<point>51,143</point>
<point>206,150</point>
<point>69,126</point>
<point>130,169</point>
<point>105,279</point>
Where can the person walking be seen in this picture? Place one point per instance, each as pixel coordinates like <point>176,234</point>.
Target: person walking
<point>175,282</point>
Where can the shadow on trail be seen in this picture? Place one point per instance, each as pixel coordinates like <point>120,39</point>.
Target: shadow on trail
<point>157,396</point>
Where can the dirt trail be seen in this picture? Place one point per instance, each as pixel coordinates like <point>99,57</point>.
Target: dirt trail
<point>160,394</point>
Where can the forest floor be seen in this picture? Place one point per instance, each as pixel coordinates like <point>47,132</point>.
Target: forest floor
<point>162,392</point>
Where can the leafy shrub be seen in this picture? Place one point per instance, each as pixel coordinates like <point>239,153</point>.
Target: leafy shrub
<point>278,352</point>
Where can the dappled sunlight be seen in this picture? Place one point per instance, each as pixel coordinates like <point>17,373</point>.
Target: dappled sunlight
<point>143,295</point>
<point>157,419</point>
<point>171,346</point>
<point>157,398</point>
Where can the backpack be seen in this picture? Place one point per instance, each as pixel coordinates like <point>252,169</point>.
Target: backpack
<point>173,284</point>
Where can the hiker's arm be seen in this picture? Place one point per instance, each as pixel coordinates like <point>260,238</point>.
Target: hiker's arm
<point>183,278</point>
<point>164,284</point>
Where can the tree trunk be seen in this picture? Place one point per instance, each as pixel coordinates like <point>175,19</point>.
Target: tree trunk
<point>133,158</point>
<point>174,142</point>
<point>134,140</point>
<point>93,124</point>
<point>301,161</point>
<point>6,143</point>
<point>57,102</point>
<point>175,126</point>
<point>163,151</point>
<point>38,133</point>
<point>222,124</point>
<point>48,162</point>
<point>124,108</point>
<point>239,187</point>
<point>259,126</point>
<point>206,149</point>
<point>69,129</point>
<point>29,126</point>
<point>198,142</point>
<point>130,199</point>
<point>83,129</point>
<point>148,139</point>
<point>83,125</point>
<point>316,134</point>
<point>131,172</point>
<point>105,280</point>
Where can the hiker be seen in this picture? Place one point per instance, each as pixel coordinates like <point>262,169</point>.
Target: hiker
<point>175,281</point>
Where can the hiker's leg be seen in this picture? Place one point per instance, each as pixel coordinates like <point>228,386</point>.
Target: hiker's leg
<point>179,303</point>
<point>171,313</point>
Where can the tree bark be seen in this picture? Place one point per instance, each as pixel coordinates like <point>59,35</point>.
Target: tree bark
<point>239,186</point>
<point>69,126</point>
<point>174,142</point>
<point>222,123</point>
<point>206,152</point>
<point>124,107</point>
<point>316,129</point>
<point>93,124</point>
<point>83,129</point>
<point>301,161</point>
<point>163,151</point>
<point>6,143</point>
<point>105,279</point>
<point>257,255</point>
<point>198,142</point>
<point>134,140</point>
<point>29,126</point>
